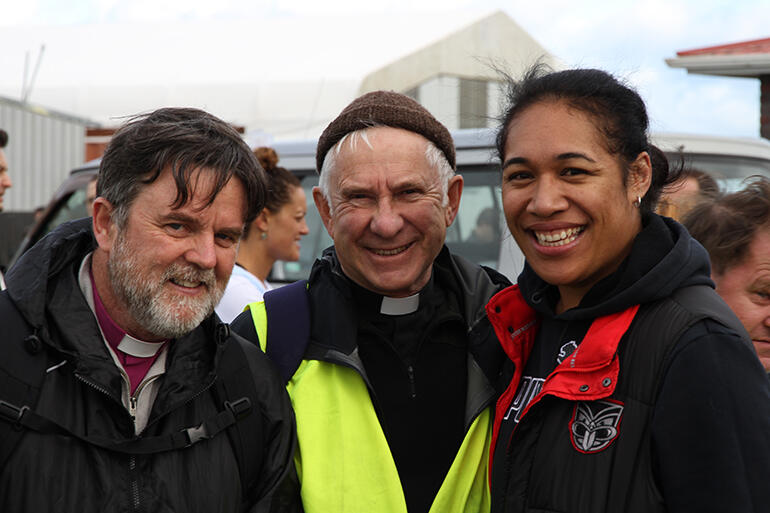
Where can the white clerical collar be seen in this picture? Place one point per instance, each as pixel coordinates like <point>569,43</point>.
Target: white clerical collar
<point>400,305</point>
<point>139,348</point>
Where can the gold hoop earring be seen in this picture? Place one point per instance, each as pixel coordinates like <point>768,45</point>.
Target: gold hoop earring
<point>638,202</point>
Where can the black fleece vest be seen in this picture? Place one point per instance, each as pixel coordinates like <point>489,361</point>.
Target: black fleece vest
<point>596,456</point>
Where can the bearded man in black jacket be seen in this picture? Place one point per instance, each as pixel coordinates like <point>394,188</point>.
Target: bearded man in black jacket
<point>145,394</point>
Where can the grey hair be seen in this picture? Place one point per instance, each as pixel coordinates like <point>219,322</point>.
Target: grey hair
<point>433,155</point>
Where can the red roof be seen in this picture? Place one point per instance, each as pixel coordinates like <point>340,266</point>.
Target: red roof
<point>745,47</point>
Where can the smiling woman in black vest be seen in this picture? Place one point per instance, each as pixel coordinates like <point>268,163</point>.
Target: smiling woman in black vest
<point>630,386</point>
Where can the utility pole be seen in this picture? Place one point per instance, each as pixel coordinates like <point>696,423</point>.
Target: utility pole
<point>27,85</point>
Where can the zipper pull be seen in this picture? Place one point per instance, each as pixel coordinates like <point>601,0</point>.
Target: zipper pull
<point>132,407</point>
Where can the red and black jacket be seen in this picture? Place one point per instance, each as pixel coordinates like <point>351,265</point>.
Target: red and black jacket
<point>663,406</point>
<point>584,442</point>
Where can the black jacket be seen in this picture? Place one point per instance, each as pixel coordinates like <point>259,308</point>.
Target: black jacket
<point>685,386</point>
<point>82,393</point>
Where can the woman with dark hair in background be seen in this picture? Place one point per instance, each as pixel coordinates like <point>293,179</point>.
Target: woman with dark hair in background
<point>630,385</point>
<point>274,235</point>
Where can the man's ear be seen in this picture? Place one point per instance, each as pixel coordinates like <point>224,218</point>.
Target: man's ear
<point>324,209</point>
<point>454,192</point>
<point>105,230</point>
<point>639,176</point>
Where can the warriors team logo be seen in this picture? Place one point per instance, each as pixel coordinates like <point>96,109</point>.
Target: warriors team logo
<point>595,425</point>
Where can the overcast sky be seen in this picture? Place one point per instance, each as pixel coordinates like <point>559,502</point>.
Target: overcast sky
<point>630,39</point>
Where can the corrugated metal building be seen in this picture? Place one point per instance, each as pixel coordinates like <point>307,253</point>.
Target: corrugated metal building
<point>43,146</point>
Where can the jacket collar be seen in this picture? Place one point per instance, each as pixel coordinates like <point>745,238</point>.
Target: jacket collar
<point>590,373</point>
<point>334,329</point>
<point>470,283</point>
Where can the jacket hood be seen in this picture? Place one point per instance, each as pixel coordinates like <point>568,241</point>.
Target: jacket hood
<point>28,281</point>
<point>663,258</point>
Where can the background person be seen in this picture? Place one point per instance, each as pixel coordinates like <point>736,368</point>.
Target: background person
<point>5,178</point>
<point>5,182</point>
<point>394,389</point>
<point>681,196</point>
<point>735,230</point>
<point>487,229</point>
<point>274,235</point>
<point>631,386</point>
<point>134,403</point>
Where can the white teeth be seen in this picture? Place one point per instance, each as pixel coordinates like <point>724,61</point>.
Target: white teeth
<point>185,283</point>
<point>558,238</point>
<point>390,252</point>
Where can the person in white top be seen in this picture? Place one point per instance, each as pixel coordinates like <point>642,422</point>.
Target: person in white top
<point>274,235</point>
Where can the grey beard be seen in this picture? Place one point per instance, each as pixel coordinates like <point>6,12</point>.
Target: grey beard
<point>144,298</point>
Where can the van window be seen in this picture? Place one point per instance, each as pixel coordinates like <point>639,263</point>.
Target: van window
<point>74,207</point>
<point>479,226</point>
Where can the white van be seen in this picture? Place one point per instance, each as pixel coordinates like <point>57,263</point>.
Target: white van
<point>730,160</point>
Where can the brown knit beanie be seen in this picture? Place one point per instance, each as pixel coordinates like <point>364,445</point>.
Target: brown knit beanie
<point>389,109</point>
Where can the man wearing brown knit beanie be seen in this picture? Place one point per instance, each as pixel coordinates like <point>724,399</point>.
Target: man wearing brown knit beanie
<point>393,389</point>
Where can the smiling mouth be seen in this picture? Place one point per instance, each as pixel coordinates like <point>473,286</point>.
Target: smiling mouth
<point>390,252</point>
<point>555,238</point>
<point>186,283</point>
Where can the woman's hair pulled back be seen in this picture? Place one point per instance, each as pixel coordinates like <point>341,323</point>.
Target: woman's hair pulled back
<point>618,112</point>
<point>280,181</point>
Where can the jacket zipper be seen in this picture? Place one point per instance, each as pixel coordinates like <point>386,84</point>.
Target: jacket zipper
<point>135,500</point>
<point>133,399</point>
<point>188,401</point>
<point>134,482</point>
<point>100,389</point>
<point>330,358</point>
<point>412,386</point>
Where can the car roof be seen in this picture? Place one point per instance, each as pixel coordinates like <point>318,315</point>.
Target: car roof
<point>477,146</point>
<point>713,145</point>
<point>91,165</point>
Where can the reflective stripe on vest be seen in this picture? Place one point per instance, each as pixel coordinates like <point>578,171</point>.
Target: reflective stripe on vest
<point>343,459</point>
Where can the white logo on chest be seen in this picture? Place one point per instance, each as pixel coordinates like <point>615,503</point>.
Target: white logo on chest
<point>595,425</point>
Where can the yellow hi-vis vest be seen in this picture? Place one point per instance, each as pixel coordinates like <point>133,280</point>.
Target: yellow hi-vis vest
<point>343,460</point>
